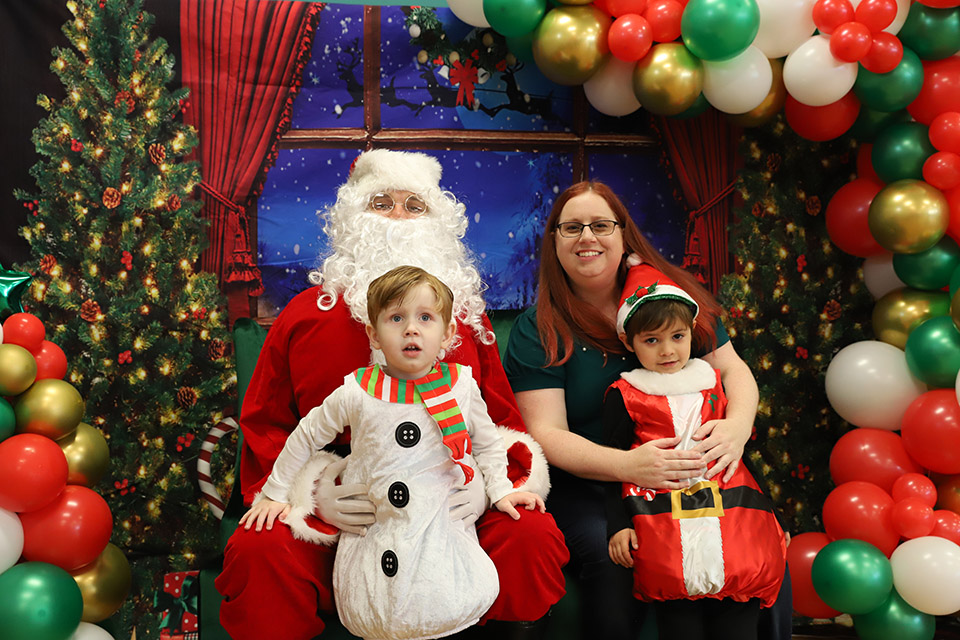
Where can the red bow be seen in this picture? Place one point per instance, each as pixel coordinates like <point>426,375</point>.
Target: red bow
<point>466,76</point>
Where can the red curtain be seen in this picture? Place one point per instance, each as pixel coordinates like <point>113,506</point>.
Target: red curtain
<point>243,62</point>
<point>702,152</point>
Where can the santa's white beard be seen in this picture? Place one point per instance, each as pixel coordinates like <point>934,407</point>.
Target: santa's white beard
<point>366,245</point>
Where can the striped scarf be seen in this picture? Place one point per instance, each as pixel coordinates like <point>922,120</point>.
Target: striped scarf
<point>435,392</point>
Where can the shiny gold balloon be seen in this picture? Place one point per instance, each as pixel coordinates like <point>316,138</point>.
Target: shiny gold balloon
<point>899,311</point>
<point>87,455</point>
<point>955,309</point>
<point>908,216</point>
<point>668,80</point>
<point>570,43</point>
<point>575,2</point>
<point>51,408</point>
<point>771,105</point>
<point>18,369</point>
<point>104,584</point>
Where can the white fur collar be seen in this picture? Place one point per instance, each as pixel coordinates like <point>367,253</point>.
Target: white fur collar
<point>697,375</point>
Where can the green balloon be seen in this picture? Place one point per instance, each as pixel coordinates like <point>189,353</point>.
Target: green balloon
<point>870,122</point>
<point>933,33</point>
<point>522,47</point>
<point>895,619</point>
<point>514,17</point>
<point>930,269</point>
<point>699,106</point>
<point>38,601</point>
<point>933,352</point>
<point>900,150</point>
<point>954,281</point>
<point>8,420</point>
<point>719,29</point>
<point>852,576</point>
<point>893,90</point>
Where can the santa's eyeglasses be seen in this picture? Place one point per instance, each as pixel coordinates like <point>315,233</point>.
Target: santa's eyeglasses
<point>384,203</point>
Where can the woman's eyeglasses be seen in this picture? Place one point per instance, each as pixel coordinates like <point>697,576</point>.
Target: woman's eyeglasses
<point>384,203</point>
<point>597,228</point>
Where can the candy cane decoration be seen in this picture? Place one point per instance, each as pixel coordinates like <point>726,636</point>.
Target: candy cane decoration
<point>207,488</point>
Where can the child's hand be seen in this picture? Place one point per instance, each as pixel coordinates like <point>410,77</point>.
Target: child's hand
<point>530,500</point>
<point>264,511</point>
<point>621,547</point>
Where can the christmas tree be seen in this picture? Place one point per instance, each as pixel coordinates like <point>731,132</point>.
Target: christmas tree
<point>114,237</point>
<point>795,301</point>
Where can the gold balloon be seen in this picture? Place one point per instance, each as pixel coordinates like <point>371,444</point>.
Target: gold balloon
<point>570,43</point>
<point>897,313</point>
<point>18,369</point>
<point>771,105</point>
<point>104,584</point>
<point>51,408</point>
<point>87,455</point>
<point>668,80</point>
<point>908,216</point>
<point>955,309</point>
<point>574,2</point>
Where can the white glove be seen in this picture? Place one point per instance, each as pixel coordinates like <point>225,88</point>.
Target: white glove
<point>345,506</point>
<point>467,502</point>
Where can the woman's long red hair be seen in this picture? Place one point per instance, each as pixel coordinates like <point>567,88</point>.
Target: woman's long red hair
<point>561,315</point>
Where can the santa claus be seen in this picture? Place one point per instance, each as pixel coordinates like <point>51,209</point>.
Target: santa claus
<point>390,212</point>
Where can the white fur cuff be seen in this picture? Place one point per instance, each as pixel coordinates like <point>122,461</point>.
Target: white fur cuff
<point>303,504</point>
<point>526,465</point>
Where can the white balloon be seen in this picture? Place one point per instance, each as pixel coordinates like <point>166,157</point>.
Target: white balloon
<point>926,573</point>
<point>903,8</point>
<point>784,26</point>
<point>88,631</point>
<point>879,275</point>
<point>470,11</point>
<point>957,386</point>
<point>869,385</point>
<point>814,77</point>
<point>739,84</point>
<point>1,334</point>
<point>11,539</point>
<point>610,89</point>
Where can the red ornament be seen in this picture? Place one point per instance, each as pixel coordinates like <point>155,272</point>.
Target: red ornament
<point>125,357</point>
<point>126,260</point>
<point>76,145</point>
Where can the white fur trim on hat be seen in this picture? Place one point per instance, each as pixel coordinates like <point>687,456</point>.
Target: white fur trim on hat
<point>696,376</point>
<point>538,473</point>
<point>385,170</point>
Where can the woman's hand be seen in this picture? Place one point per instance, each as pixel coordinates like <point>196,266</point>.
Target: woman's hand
<point>722,441</point>
<point>657,465</point>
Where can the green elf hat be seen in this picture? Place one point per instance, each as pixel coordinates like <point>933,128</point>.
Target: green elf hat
<point>646,283</point>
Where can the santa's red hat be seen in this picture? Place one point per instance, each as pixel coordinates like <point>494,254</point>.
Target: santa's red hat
<point>646,283</point>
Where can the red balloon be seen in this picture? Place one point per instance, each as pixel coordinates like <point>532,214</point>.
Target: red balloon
<point>945,132</point>
<point>861,510</point>
<point>865,164</point>
<point>800,555</point>
<point>629,37</point>
<point>846,217</point>
<point>940,92</point>
<point>876,15</point>
<point>830,14</point>
<point>33,471</point>
<point>664,19</point>
<point>884,55</point>
<point>948,493</point>
<point>618,8</point>
<point>912,518</point>
<point>947,526</point>
<point>870,455</point>
<point>69,532</point>
<point>51,361</point>
<point>822,123</point>
<point>931,430</point>
<point>914,485</point>
<point>942,170</point>
<point>850,42</point>
<point>24,329</point>
<point>602,5</point>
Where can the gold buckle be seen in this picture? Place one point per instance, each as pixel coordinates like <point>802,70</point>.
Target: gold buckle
<point>679,513</point>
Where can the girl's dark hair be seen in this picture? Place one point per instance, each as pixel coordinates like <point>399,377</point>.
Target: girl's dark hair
<point>657,314</point>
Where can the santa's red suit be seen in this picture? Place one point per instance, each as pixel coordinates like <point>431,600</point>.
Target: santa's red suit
<point>282,578</point>
<point>714,540</point>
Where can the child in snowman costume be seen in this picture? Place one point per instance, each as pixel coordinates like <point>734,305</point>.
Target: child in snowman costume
<point>418,428</point>
<point>710,555</point>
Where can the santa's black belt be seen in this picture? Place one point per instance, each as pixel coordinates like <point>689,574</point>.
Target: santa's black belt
<point>702,500</point>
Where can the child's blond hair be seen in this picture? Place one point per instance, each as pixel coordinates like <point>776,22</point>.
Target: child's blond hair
<point>394,285</point>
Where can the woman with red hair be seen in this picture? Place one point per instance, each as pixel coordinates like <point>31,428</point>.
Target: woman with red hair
<point>561,357</point>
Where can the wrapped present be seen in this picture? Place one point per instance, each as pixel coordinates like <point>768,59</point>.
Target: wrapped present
<point>178,604</point>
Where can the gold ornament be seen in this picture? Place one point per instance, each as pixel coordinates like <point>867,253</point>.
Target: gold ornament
<point>104,584</point>
<point>422,56</point>
<point>898,312</point>
<point>771,105</point>
<point>570,43</point>
<point>908,216</point>
<point>88,455</point>
<point>18,369</point>
<point>51,408</point>
<point>668,80</point>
